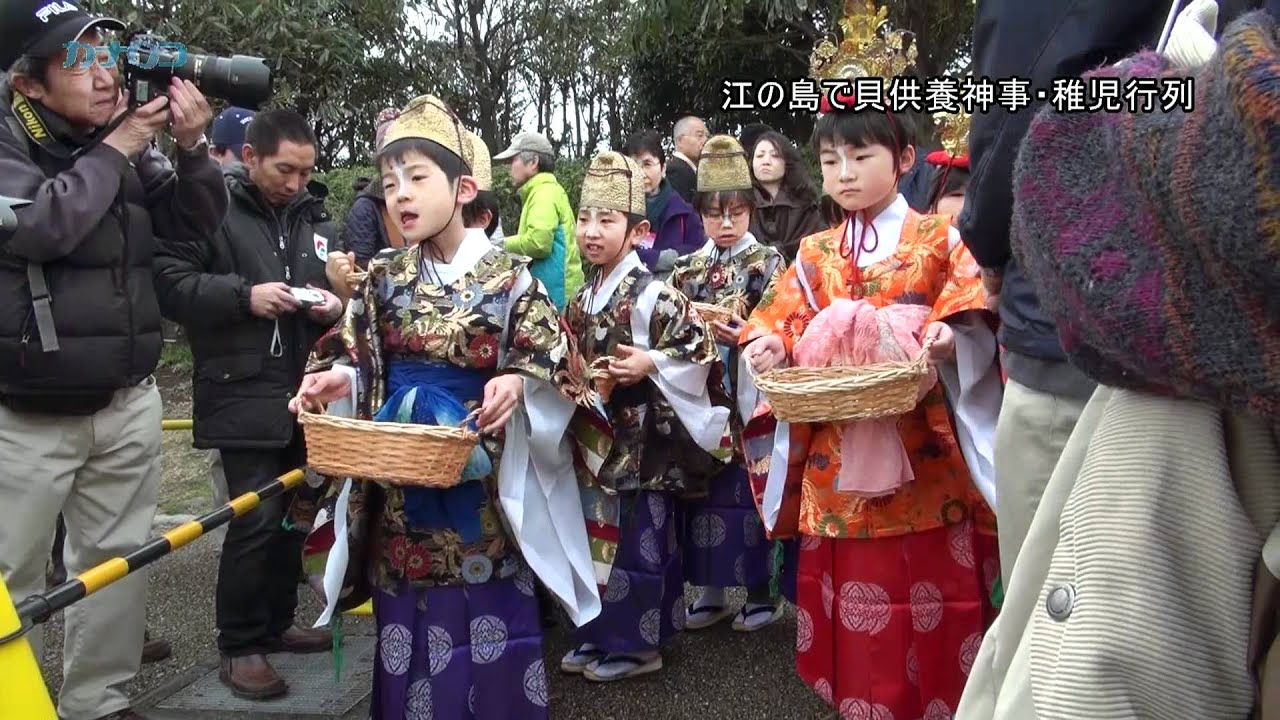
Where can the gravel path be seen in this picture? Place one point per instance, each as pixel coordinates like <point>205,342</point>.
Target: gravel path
<point>709,675</point>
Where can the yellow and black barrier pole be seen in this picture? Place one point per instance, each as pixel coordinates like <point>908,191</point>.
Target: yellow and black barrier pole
<point>39,607</point>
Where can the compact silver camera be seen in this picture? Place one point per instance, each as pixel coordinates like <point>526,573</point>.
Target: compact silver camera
<point>307,297</point>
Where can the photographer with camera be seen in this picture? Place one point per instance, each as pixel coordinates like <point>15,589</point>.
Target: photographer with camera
<point>253,303</point>
<point>80,326</point>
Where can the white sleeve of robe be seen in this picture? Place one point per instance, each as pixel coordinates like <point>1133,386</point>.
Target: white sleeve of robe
<point>538,491</point>
<point>682,383</point>
<point>974,389</point>
<point>335,567</point>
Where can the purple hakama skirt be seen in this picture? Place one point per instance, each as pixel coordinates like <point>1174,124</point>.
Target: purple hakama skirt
<point>466,651</point>
<point>724,538</point>
<point>643,605</point>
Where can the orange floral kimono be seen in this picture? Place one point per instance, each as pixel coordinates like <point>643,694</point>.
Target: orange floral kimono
<point>892,592</point>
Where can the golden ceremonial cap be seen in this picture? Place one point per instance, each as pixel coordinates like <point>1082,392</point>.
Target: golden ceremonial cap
<point>427,117</point>
<point>482,168</point>
<point>723,166</point>
<point>614,182</point>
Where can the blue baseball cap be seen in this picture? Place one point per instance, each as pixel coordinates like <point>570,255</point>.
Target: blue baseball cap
<point>229,127</point>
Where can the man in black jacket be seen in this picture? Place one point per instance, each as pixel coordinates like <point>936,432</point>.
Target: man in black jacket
<point>1039,41</point>
<point>80,327</point>
<point>250,338</point>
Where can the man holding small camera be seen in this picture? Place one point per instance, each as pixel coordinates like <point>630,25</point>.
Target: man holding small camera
<point>253,303</point>
<point>80,330</point>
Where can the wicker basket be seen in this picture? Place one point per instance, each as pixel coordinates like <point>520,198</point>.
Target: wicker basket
<point>845,393</point>
<point>714,313</point>
<point>601,379</point>
<point>395,453</point>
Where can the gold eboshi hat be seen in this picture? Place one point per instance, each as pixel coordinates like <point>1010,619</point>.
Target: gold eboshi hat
<point>428,117</point>
<point>482,169</point>
<point>723,166</point>
<point>866,48</point>
<point>614,182</point>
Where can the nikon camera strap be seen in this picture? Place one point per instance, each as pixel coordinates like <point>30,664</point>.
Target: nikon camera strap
<point>41,301</point>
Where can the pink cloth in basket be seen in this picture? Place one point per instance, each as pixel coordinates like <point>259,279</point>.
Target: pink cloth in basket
<point>874,462</point>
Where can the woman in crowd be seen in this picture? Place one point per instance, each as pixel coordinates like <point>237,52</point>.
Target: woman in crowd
<point>674,228</point>
<point>786,203</point>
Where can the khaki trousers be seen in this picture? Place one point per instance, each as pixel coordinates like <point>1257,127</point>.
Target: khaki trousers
<point>1032,430</point>
<point>102,472</point>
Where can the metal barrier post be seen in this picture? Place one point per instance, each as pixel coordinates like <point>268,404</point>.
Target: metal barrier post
<point>22,690</point>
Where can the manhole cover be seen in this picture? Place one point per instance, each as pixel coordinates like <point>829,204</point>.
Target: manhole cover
<point>313,691</point>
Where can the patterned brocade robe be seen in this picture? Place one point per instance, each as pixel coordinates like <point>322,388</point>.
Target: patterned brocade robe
<point>491,316</point>
<point>927,266</point>
<point>669,432</point>
<point>735,278</point>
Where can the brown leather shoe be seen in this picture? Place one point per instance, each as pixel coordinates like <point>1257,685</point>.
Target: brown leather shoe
<point>251,677</point>
<point>153,650</point>
<point>303,641</point>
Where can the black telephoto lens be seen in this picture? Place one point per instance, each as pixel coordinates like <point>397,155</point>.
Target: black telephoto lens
<point>241,80</point>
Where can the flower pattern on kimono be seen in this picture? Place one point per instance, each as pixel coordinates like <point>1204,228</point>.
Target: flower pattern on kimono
<point>619,585</point>
<point>418,705</point>
<point>488,639</point>
<point>461,323</point>
<point>926,607</point>
<point>937,710</point>
<point>752,530</point>
<point>477,569</point>
<point>859,709</point>
<point>657,510</point>
<point>709,531</point>
<point>740,570</point>
<point>913,667</point>
<point>650,550</point>
<point>960,537</point>
<point>804,630</point>
<point>439,649</point>
<point>396,648</point>
<point>535,683</point>
<point>823,690</point>
<point>969,652</point>
<point>651,626</point>
<point>864,608</point>
<point>679,615</point>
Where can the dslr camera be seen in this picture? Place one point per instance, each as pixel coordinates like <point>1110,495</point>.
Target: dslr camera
<point>150,61</point>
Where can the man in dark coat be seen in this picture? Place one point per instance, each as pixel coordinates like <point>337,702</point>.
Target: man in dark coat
<point>251,333</point>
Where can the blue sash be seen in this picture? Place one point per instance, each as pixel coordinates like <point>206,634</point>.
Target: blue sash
<point>433,393</point>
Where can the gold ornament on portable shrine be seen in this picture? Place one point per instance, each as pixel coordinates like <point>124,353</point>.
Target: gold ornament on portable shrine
<point>866,47</point>
<point>427,117</point>
<point>723,166</point>
<point>614,182</point>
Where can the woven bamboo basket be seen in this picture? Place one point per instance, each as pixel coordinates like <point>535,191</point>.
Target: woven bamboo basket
<point>845,393</point>
<point>714,313</point>
<point>395,453</point>
<point>601,379</point>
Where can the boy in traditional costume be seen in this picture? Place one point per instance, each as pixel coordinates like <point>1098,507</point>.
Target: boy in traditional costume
<point>894,582</point>
<point>658,437</point>
<point>724,540</point>
<point>447,324</point>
